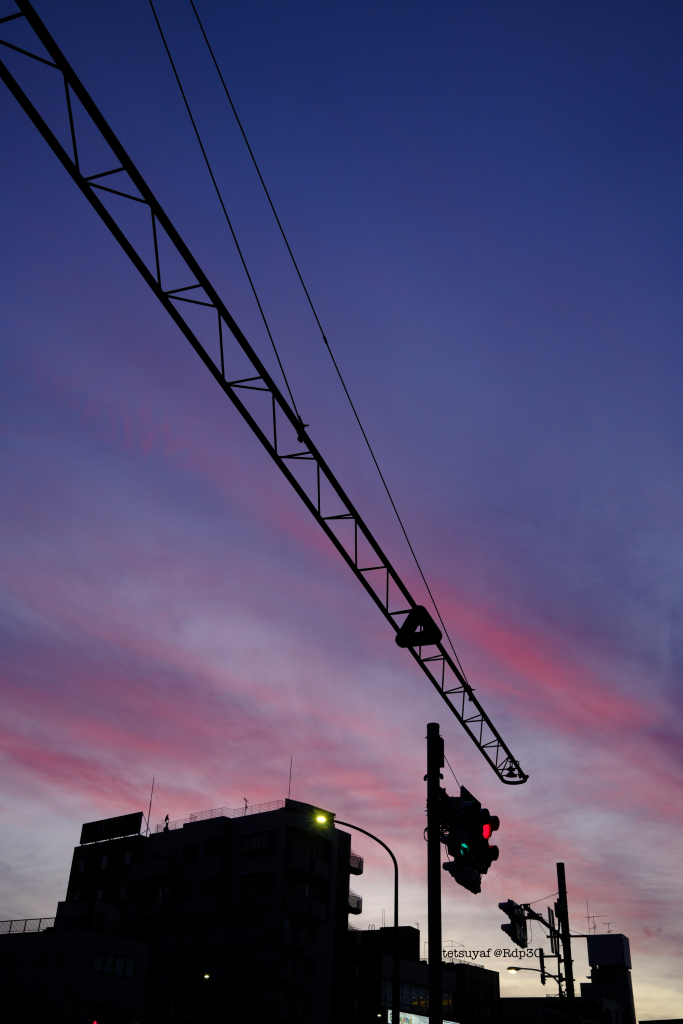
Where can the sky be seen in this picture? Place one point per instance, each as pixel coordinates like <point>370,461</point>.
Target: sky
<point>485,203</point>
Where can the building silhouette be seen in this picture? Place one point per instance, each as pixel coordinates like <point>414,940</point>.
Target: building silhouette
<point>243,915</point>
<point>607,999</point>
<point>228,915</point>
<point>470,993</point>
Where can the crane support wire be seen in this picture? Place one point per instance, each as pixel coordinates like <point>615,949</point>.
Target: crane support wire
<point>322,332</point>
<point>271,418</point>
<point>223,206</point>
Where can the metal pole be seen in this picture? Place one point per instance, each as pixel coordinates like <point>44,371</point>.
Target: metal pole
<point>396,974</point>
<point>562,910</point>
<point>435,755</point>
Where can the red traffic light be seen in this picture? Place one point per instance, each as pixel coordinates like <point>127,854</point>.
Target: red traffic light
<point>491,826</point>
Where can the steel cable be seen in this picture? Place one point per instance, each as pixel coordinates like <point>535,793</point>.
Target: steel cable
<point>224,209</point>
<point>324,337</point>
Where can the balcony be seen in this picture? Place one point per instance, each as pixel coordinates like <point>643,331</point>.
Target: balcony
<point>355,864</point>
<point>355,903</point>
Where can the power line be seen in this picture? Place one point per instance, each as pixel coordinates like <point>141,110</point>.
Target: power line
<point>452,772</point>
<point>322,332</point>
<point>543,898</point>
<point>223,207</point>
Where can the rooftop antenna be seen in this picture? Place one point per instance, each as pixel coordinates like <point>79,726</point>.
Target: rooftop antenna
<point>289,791</point>
<point>149,812</point>
<point>246,804</point>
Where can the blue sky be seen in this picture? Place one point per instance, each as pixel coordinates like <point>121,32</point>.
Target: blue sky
<point>485,203</point>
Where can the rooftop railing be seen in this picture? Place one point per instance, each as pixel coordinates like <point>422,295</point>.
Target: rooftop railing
<point>29,924</point>
<point>222,812</point>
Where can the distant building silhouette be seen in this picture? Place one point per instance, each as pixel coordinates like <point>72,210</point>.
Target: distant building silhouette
<point>608,999</point>
<point>470,993</point>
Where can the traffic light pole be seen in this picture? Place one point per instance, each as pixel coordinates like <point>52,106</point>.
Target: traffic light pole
<point>562,911</point>
<point>435,761</point>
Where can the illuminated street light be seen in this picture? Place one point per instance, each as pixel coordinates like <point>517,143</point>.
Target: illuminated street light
<point>396,974</point>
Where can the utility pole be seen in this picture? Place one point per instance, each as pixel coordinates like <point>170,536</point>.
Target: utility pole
<point>435,761</point>
<point>562,911</point>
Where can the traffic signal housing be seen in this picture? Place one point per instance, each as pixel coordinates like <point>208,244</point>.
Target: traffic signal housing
<point>469,827</point>
<point>485,854</point>
<point>516,928</point>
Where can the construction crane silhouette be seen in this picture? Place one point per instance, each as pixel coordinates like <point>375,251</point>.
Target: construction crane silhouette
<point>255,396</point>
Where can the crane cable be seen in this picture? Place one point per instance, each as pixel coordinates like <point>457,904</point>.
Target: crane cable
<point>322,332</point>
<point>306,292</point>
<point>225,212</point>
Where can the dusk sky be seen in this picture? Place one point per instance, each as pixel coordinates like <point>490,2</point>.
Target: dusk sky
<point>486,203</point>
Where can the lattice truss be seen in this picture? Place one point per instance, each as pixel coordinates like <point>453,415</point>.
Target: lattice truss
<point>99,165</point>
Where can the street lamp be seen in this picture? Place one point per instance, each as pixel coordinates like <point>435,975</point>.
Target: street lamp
<point>322,819</point>
<point>542,971</point>
<point>544,974</point>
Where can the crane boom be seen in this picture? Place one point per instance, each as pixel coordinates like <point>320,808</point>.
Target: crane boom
<point>256,396</point>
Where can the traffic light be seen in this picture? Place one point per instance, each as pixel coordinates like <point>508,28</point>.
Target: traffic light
<point>484,854</point>
<point>468,829</point>
<point>516,929</point>
<point>464,875</point>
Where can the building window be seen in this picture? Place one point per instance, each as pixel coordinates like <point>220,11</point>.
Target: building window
<point>413,998</point>
<point>103,864</point>
<point>209,887</point>
<point>246,918</point>
<point>98,894</point>
<point>301,930</point>
<point>122,893</point>
<point>256,842</point>
<point>253,884</point>
<point>183,890</point>
<point>190,854</point>
<point>81,867</point>
<point>110,963</point>
<point>306,889</point>
<point>128,858</point>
